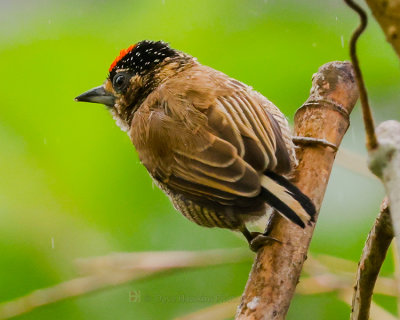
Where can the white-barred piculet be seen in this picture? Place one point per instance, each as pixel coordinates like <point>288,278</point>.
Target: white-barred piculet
<point>221,151</point>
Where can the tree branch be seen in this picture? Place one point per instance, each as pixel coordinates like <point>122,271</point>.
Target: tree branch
<point>372,258</point>
<point>277,267</point>
<point>372,143</point>
<point>387,13</point>
<point>385,163</point>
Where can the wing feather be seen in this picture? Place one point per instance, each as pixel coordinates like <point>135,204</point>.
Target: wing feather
<point>207,140</point>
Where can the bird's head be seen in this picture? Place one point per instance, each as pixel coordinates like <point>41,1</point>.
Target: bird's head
<point>133,75</point>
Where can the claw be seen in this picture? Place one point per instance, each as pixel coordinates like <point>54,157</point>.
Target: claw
<point>261,240</point>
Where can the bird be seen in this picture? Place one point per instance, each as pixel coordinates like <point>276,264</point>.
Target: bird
<point>221,151</point>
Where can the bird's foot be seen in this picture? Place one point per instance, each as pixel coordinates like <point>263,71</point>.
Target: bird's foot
<point>261,240</point>
<point>257,240</point>
<point>313,141</point>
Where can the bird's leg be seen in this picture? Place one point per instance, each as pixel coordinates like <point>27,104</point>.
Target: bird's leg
<point>313,141</point>
<point>257,240</point>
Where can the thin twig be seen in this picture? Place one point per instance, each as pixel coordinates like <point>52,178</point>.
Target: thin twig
<point>372,141</point>
<point>372,258</point>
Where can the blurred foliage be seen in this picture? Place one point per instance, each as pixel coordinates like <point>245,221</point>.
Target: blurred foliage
<point>71,183</point>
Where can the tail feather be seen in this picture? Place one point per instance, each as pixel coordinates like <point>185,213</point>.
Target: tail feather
<point>283,208</point>
<point>287,199</point>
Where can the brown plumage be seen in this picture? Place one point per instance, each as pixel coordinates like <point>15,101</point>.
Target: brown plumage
<point>215,146</point>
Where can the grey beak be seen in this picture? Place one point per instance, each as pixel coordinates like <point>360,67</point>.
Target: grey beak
<point>97,95</point>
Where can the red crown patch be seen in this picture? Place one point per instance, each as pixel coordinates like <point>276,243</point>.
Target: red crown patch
<point>122,54</point>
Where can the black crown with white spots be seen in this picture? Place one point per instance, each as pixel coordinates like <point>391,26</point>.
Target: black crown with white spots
<point>144,56</point>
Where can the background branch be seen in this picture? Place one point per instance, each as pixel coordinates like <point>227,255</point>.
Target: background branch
<point>277,267</point>
<point>117,269</point>
<point>322,274</point>
<point>372,258</point>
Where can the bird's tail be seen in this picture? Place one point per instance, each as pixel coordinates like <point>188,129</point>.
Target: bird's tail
<point>287,199</point>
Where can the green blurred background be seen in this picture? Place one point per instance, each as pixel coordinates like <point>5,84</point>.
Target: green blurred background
<point>71,184</point>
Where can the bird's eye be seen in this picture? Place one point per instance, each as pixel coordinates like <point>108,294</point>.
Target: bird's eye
<point>119,81</point>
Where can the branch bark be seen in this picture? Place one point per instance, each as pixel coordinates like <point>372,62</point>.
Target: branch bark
<point>372,258</point>
<point>276,270</point>
<point>387,13</point>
